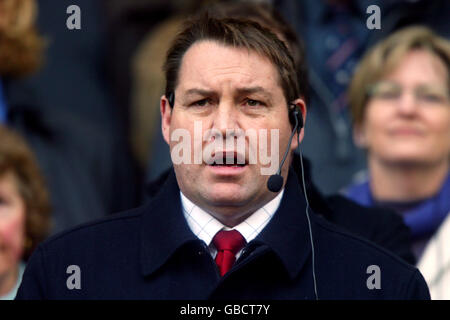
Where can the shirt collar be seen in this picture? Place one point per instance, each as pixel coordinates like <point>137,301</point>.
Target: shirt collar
<point>205,226</point>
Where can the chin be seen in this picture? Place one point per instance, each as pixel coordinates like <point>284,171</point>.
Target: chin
<point>402,153</point>
<point>228,194</point>
<point>227,197</point>
<point>409,159</point>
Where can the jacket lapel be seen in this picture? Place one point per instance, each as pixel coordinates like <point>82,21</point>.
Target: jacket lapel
<point>164,228</point>
<point>287,234</point>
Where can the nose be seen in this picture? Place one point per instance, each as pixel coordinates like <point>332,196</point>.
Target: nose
<point>407,104</point>
<point>226,118</point>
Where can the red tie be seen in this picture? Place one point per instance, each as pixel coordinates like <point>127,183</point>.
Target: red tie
<point>227,243</point>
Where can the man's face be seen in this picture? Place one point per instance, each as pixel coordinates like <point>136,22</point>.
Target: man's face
<point>221,89</point>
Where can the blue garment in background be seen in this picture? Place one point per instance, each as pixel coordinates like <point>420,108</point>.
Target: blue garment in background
<point>3,110</point>
<point>424,218</point>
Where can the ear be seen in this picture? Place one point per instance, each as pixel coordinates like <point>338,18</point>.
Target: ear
<point>301,105</point>
<point>166,117</point>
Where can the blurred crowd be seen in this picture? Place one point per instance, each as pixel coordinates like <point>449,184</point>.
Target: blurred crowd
<point>80,131</point>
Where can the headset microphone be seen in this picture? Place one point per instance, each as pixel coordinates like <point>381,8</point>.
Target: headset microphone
<point>275,182</point>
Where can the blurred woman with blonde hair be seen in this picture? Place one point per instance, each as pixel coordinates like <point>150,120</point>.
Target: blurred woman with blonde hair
<point>400,99</point>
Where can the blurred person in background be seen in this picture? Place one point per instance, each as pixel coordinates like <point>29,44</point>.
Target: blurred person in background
<point>84,161</point>
<point>336,36</point>
<point>24,210</point>
<point>400,98</point>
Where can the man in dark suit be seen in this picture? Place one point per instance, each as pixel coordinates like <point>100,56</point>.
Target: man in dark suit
<point>381,226</point>
<point>215,231</point>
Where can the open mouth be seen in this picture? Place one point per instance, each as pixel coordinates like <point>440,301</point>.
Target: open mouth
<point>224,160</point>
<point>226,165</point>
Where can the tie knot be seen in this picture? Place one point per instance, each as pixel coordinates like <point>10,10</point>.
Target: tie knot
<point>229,240</point>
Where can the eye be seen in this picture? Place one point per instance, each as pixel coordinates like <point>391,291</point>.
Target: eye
<point>200,103</point>
<point>254,103</point>
<point>429,97</point>
<point>385,91</point>
<point>388,94</point>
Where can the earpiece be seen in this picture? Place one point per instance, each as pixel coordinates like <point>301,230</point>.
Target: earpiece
<point>275,182</point>
<point>171,99</point>
<point>294,112</point>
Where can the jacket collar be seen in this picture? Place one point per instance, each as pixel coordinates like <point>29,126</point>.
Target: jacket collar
<point>287,234</point>
<point>164,228</point>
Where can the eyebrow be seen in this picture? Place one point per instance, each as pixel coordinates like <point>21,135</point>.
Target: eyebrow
<point>196,91</point>
<point>251,90</point>
<point>240,91</point>
<point>258,90</point>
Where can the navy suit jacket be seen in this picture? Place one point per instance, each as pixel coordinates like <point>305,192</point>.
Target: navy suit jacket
<point>150,253</point>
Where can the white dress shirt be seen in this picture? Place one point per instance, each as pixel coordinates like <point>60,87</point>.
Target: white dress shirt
<point>205,226</point>
<point>435,262</point>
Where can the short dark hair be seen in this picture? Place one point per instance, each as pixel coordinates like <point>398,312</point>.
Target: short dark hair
<point>235,33</point>
<point>267,16</point>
